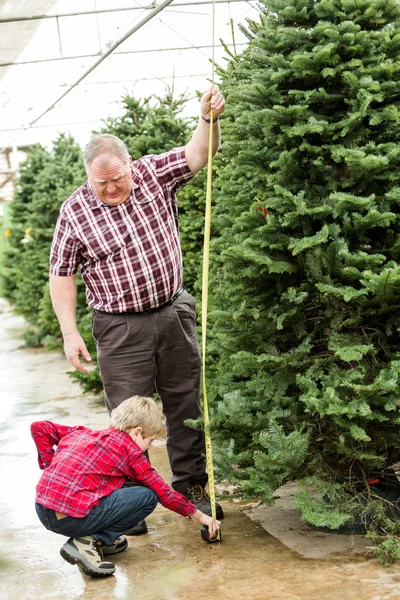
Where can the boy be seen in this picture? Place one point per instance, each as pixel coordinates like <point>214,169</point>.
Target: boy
<point>80,493</point>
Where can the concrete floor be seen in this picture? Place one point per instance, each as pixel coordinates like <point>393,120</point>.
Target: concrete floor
<point>171,562</point>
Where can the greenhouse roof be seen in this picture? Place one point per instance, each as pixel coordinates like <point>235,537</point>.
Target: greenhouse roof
<point>66,64</point>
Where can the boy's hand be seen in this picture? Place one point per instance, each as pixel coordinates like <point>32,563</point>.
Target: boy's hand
<point>212,524</point>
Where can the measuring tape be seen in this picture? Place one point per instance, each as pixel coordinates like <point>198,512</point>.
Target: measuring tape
<point>204,304</point>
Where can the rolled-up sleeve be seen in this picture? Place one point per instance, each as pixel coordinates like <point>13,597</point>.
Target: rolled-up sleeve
<point>172,168</point>
<point>64,254</point>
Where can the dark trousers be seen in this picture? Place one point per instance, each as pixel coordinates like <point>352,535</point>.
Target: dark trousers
<point>143,353</point>
<point>114,515</point>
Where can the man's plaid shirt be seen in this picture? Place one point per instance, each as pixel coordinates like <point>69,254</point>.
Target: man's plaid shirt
<point>129,254</point>
<point>89,465</point>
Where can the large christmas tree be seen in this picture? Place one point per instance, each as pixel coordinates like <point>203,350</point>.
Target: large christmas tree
<point>305,292</point>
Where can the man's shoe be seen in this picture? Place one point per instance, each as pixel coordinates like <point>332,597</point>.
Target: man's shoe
<point>139,529</point>
<point>119,545</point>
<point>86,553</point>
<point>200,498</point>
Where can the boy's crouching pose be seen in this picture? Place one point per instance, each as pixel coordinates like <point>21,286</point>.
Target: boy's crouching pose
<point>80,493</point>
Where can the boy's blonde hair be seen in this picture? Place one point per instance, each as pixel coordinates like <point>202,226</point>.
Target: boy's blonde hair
<point>137,411</point>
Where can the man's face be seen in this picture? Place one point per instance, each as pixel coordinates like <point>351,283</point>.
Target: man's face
<point>110,178</point>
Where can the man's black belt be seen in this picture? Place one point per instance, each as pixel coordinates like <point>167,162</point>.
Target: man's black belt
<point>178,292</point>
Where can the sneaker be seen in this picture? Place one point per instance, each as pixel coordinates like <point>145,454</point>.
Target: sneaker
<point>119,545</point>
<point>200,498</point>
<point>138,529</point>
<point>85,552</point>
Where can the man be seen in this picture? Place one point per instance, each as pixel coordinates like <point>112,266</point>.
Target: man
<point>121,228</point>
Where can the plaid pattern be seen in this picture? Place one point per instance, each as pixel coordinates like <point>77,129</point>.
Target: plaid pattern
<point>130,254</point>
<point>89,465</point>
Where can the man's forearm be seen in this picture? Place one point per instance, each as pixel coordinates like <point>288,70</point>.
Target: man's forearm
<point>63,297</point>
<point>197,149</point>
<point>201,137</point>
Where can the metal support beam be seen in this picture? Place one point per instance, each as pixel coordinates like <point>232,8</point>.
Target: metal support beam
<point>145,51</point>
<point>110,10</point>
<point>9,178</point>
<point>113,82</point>
<point>147,18</point>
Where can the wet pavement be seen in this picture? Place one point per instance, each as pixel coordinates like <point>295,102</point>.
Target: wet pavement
<point>171,562</point>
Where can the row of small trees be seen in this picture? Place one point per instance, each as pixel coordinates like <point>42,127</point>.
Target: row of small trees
<point>304,345</point>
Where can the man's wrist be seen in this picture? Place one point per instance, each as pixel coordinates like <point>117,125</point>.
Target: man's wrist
<point>69,333</point>
<point>209,120</point>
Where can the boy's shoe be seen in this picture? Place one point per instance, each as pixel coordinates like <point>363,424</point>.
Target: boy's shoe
<point>119,545</point>
<point>86,553</point>
<point>200,498</point>
<point>138,529</point>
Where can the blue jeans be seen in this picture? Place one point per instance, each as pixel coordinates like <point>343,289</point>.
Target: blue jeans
<point>115,513</point>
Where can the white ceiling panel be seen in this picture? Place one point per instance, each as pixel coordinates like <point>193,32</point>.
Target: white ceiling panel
<point>16,35</point>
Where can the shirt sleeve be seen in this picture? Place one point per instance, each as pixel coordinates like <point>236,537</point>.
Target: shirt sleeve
<point>46,435</point>
<point>64,257</point>
<point>143,472</point>
<point>172,169</point>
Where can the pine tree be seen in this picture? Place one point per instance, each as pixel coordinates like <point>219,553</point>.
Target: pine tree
<point>47,178</point>
<point>19,215</point>
<point>305,287</point>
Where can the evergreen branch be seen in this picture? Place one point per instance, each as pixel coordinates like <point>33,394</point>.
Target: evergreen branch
<point>385,285</point>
